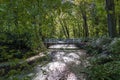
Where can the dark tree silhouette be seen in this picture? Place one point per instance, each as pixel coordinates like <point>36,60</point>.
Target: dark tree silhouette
<point>110,7</point>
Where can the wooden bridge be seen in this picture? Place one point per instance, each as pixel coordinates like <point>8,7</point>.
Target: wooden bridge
<point>49,42</point>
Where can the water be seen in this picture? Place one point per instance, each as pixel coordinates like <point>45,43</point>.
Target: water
<point>63,46</point>
<point>59,68</point>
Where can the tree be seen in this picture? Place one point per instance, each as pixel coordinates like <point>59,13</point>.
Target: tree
<point>110,7</point>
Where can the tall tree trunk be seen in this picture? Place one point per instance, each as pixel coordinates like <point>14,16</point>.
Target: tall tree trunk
<point>119,23</point>
<point>79,30</point>
<point>85,25</point>
<point>74,34</point>
<point>84,16</point>
<point>63,28</point>
<point>110,7</point>
<point>66,29</point>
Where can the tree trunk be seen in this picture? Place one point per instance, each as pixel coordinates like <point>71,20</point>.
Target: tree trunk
<point>85,25</point>
<point>79,31</point>
<point>84,16</point>
<point>66,29</point>
<point>119,23</point>
<point>63,28</point>
<point>74,34</point>
<point>110,7</point>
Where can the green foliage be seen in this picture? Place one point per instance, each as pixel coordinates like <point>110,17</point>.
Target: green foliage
<point>106,64</point>
<point>96,46</point>
<point>91,50</point>
<point>14,45</point>
<point>17,75</point>
<point>108,71</point>
<point>101,42</point>
<point>115,46</point>
<point>100,59</point>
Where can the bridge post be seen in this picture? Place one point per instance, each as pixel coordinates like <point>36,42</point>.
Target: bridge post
<point>73,40</point>
<point>45,42</point>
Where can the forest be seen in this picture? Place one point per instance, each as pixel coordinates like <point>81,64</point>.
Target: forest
<point>26,24</point>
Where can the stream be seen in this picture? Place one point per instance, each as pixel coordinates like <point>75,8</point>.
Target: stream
<point>66,63</point>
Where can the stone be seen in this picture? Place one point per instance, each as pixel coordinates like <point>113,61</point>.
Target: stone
<point>59,67</point>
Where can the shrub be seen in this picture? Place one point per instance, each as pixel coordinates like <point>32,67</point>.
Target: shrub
<point>17,44</point>
<point>101,42</point>
<point>108,71</point>
<point>96,46</point>
<point>114,47</point>
<point>100,59</point>
<point>91,50</point>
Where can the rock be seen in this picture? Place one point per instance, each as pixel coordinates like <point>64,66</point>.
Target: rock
<point>71,61</point>
<point>58,56</point>
<point>59,67</point>
<point>56,70</point>
<point>71,76</point>
<point>73,55</point>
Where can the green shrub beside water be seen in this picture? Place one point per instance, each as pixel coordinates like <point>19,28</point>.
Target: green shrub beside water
<point>18,45</point>
<point>108,71</point>
<point>105,66</point>
<point>115,46</point>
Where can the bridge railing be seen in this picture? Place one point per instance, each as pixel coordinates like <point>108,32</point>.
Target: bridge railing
<point>62,41</point>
